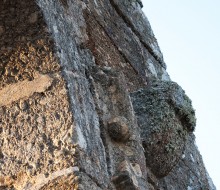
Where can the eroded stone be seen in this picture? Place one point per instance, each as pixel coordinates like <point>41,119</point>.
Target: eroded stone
<point>125,179</point>
<point>118,129</point>
<point>165,116</point>
<point>49,132</point>
<point>24,89</point>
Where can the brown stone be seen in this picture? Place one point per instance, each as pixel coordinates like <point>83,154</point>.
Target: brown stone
<point>1,30</point>
<point>67,122</point>
<point>33,17</point>
<point>118,129</point>
<point>24,89</point>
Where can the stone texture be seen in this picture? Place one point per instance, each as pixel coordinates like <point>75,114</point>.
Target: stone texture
<point>125,179</point>
<point>85,98</point>
<point>36,122</point>
<point>165,115</point>
<point>24,89</point>
<point>134,17</point>
<point>190,172</point>
<point>114,106</point>
<point>118,129</point>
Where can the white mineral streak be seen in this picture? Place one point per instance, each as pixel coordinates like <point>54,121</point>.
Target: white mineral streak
<point>151,67</point>
<point>41,180</point>
<point>24,89</point>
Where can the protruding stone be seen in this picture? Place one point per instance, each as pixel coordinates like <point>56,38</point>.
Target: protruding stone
<point>33,17</point>
<point>165,116</point>
<point>65,128</point>
<point>118,129</point>
<point>125,178</point>
<point>24,89</point>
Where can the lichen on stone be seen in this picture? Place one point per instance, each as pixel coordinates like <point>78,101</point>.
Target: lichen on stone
<point>165,116</point>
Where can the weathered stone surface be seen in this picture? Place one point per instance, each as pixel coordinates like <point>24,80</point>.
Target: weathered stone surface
<point>113,105</point>
<point>107,54</point>
<point>68,72</point>
<point>36,123</point>
<point>24,89</point>
<point>165,115</point>
<point>123,38</point>
<point>126,177</point>
<point>118,129</point>
<point>190,172</point>
<point>132,14</point>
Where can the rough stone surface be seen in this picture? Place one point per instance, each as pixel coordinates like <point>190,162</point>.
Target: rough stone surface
<point>134,17</point>
<point>118,129</point>
<point>86,102</point>
<point>165,115</point>
<point>196,176</point>
<point>24,89</point>
<point>115,110</point>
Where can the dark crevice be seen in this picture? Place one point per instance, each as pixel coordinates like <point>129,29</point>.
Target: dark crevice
<point>104,140</point>
<point>90,44</point>
<point>131,26</point>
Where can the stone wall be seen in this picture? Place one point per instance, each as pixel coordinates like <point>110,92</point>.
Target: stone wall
<point>86,102</point>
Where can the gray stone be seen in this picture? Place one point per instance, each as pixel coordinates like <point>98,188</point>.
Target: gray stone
<point>165,116</point>
<point>68,73</point>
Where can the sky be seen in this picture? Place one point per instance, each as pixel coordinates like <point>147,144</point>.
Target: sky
<point>188,33</point>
